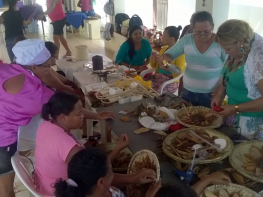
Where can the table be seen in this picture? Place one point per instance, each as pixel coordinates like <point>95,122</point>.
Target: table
<point>70,67</point>
<point>28,11</point>
<point>149,139</point>
<point>75,19</point>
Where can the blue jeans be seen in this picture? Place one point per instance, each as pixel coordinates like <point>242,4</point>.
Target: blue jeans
<point>197,99</point>
<point>9,45</point>
<point>90,13</point>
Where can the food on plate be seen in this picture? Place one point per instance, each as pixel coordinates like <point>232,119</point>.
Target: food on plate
<point>122,160</point>
<point>125,119</point>
<point>198,117</point>
<point>253,161</point>
<point>142,161</point>
<point>182,144</point>
<point>141,130</point>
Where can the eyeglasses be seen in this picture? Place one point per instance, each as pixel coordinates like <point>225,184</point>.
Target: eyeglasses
<point>205,33</point>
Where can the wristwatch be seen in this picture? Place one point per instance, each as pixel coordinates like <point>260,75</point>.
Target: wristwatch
<point>237,109</point>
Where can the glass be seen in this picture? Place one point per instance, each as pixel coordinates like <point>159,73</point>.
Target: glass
<point>205,33</point>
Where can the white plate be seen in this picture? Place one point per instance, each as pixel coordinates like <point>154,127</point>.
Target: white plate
<point>150,123</point>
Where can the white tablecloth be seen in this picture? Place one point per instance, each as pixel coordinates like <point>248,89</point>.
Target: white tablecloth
<point>70,67</point>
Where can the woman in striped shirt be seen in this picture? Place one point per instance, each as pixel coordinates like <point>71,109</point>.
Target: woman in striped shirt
<point>204,59</point>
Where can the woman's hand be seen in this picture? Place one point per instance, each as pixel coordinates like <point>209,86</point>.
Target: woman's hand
<point>217,101</point>
<point>40,16</point>
<point>25,23</point>
<point>218,178</point>
<point>227,110</point>
<point>215,91</point>
<point>145,176</point>
<point>167,58</point>
<point>105,115</point>
<point>153,189</point>
<point>122,143</point>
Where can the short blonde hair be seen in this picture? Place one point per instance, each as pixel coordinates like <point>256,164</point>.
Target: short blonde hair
<point>234,30</point>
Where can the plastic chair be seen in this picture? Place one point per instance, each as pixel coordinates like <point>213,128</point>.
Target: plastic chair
<point>150,70</point>
<point>22,169</point>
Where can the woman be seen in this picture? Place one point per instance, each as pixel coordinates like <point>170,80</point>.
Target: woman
<point>204,59</point>
<point>55,146</point>
<point>136,51</point>
<point>179,189</point>
<point>170,37</point>
<point>242,78</point>
<point>87,7</point>
<point>14,24</point>
<point>89,174</point>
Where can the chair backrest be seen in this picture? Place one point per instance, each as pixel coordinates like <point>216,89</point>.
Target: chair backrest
<point>22,167</point>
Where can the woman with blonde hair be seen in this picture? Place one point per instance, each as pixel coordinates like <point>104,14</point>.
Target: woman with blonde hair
<point>242,78</point>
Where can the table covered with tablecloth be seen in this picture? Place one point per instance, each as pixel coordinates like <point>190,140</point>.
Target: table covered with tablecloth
<point>76,19</point>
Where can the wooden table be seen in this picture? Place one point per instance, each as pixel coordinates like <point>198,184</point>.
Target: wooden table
<point>148,140</point>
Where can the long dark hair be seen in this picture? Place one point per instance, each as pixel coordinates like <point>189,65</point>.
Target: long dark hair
<point>11,4</point>
<point>174,31</point>
<point>130,41</point>
<point>177,189</point>
<point>201,17</point>
<point>85,169</point>
<point>51,47</point>
<point>59,103</point>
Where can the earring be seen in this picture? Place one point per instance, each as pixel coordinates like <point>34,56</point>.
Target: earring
<point>241,50</point>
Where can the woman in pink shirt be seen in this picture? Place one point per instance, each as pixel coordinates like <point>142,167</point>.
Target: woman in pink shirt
<point>58,17</point>
<point>87,7</point>
<point>55,146</point>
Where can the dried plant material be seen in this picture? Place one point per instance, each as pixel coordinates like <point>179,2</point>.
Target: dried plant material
<point>238,178</point>
<point>209,194</point>
<point>160,133</point>
<point>235,195</point>
<point>203,173</point>
<point>223,193</point>
<point>141,130</point>
<point>125,119</point>
<point>122,160</point>
<point>163,114</point>
<point>253,162</point>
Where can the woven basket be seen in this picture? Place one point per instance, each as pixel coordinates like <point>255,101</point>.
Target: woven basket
<point>110,146</point>
<point>215,124</point>
<point>222,155</point>
<point>237,162</point>
<point>231,189</point>
<point>138,157</point>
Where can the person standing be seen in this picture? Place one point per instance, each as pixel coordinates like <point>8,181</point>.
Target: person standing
<point>58,18</point>
<point>14,23</point>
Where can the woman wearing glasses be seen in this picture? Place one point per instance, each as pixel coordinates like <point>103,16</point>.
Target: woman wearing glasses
<point>204,59</point>
<point>242,78</point>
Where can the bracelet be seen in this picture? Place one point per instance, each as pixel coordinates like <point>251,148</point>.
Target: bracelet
<point>237,109</point>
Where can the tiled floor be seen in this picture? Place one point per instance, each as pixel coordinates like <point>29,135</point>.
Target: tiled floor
<point>94,46</point>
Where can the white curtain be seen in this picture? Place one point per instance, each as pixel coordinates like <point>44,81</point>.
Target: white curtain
<point>162,14</point>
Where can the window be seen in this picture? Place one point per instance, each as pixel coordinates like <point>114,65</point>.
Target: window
<point>161,14</point>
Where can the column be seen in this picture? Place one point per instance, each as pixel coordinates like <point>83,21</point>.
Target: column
<point>218,8</point>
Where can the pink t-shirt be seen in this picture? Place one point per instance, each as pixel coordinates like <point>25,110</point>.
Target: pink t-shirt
<point>17,110</point>
<point>58,13</point>
<point>52,148</point>
<point>85,6</point>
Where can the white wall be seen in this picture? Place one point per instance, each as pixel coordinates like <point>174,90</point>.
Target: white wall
<point>180,12</point>
<point>250,11</point>
<point>143,8</point>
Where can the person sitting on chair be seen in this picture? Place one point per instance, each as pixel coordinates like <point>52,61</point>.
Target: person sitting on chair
<point>87,7</point>
<point>170,37</point>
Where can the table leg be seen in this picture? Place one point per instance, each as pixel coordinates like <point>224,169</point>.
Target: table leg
<point>103,131</point>
<point>43,30</point>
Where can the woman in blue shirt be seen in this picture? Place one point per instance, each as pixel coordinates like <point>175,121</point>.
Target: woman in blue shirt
<point>136,51</point>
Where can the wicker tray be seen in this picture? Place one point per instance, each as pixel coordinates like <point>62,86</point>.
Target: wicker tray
<point>211,132</point>
<point>215,124</point>
<point>237,162</point>
<point>233,188</point>
<point>110,146</point>
<point>138,157</point>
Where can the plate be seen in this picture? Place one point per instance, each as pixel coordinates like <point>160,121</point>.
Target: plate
<point>183,112</point>
<point>138,157</point>
<point>109,147</point>
<point>231,189</point>
<point>237,162</point>
<point>222,155</point>
<point>150,123</point>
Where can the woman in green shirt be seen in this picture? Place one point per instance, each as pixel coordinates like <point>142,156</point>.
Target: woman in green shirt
<point>242,78</point>
<point>136,51</point>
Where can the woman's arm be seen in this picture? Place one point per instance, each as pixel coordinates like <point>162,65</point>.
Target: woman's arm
<point>219,98</point>
<point>122,143</point>
<point>175,51</point>
<point>97,116</point>
<point>50,9</point>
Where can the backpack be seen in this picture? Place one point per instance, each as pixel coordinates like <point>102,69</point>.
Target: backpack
<point>109,8</point>
<point>135,20</point>
<point>119,18</point>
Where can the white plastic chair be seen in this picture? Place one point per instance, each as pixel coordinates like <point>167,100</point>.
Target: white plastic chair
<point>22,168</point>
<point>150,70</point>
